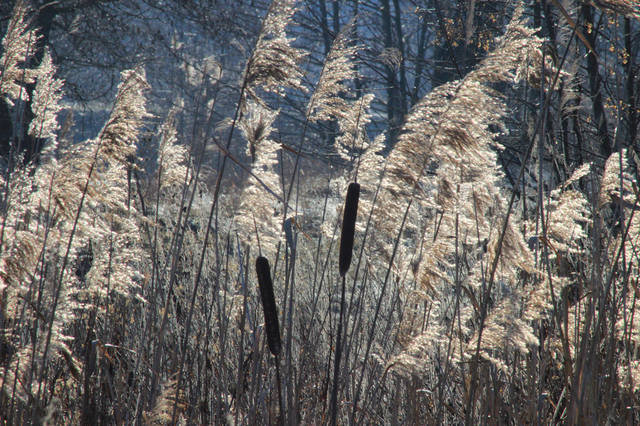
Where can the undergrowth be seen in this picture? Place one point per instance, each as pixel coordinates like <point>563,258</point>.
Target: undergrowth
<point>128,290</point>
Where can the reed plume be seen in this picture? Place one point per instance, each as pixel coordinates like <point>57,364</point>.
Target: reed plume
<point>18,45</point>
<point>273,65</point>
<point>72,202</point>
<point>46,104</point>
<point>257,218</point>
<point>444,162</point>
<point>327,101</point>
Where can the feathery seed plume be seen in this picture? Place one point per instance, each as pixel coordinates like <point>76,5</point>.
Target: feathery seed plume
<point>46,103</point>
<point>444,161</point>
<point>18,45</point>
<point>274,62</point>
<point>258,206</point>
<point>326,102</point>
<point>256,124</point>
<point>172,156</point>
<point>119,136</point>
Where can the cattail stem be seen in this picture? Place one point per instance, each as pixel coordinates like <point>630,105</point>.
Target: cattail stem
<point>336,365</point>
<point>279,384</point>
<point>346,252</point>
<point>270,320</point>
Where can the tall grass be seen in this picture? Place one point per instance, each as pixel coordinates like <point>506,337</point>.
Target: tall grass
<point>128,296</point>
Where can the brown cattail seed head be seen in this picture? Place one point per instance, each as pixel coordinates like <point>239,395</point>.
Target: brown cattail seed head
<point>348,227</point>
<point>268,304</point>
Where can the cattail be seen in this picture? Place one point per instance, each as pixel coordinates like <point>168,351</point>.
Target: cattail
<point>268,305</point>
<point>346,250</point>
<point>348,227</point>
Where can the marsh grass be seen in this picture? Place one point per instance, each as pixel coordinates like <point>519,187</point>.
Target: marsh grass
<point>127,293</point>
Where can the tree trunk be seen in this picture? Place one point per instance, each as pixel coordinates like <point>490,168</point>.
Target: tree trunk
<point>394,109</point>
<point>403,73</point>
<point>419,61</point>
<point>595,84</point>
<point>632,117</point>
<point>326,37</point>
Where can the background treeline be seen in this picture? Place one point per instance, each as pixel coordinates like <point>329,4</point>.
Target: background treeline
<point>151,151</point>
